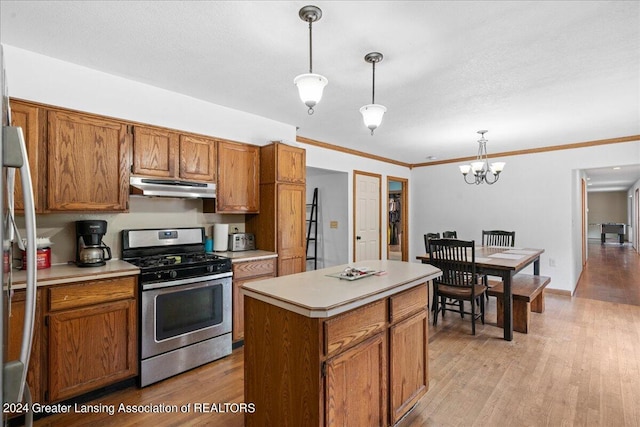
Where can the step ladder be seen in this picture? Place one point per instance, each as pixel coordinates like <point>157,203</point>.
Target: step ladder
<point>312,229</point>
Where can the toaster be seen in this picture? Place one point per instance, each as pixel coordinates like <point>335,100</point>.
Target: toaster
<point>242,242</point>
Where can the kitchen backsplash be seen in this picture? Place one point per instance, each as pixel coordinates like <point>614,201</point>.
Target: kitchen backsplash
<point>144,212</point>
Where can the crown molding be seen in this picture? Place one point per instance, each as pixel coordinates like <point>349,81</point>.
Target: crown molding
<point>328,146</point>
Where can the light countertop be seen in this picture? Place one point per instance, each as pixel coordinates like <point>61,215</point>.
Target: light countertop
<point>69,273</point>
<point>315,294</point>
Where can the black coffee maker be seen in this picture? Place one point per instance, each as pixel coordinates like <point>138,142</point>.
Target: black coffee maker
<point>90,250</point>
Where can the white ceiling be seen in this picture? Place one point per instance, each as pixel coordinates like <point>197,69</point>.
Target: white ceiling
<point>618,178</point>
<point>532,73</point>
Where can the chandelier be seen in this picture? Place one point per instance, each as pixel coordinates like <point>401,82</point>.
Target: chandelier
<point>372,113</point>
<point>483,172</point>
<point>310,86</point>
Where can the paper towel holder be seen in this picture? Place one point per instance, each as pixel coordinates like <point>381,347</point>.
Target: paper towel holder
<point>220,237</point>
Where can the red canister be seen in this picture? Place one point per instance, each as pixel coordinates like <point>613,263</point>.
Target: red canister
<point>43,258</point>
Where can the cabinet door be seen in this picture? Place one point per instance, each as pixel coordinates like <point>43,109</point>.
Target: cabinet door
<point>238,187</point>
<point>409,369</point>
<point>292,166</point>
<point>357,380</point>
<point>91,347</point>
<point>88,163</point>
<point>238,307</point>
<point>197,158</point>
<point>154,152</point>
<point>14,341</point>
<point>291,205</point>
<point>291,265</point>
<point>245,272</point>
<point>32,120</point>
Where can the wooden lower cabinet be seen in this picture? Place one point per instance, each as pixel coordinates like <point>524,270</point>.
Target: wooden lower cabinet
<point>245,272</point>
<point>409,364</point>
<point>92,336</point>
<point>356,385</point>
<point>367,366</point>
<point>14,341</point>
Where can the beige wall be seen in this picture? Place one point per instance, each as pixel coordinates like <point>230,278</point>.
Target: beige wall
<point>145,212</point>
<point>605,207</point>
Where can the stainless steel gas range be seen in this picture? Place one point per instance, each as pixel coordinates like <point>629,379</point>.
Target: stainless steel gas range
<point>185,301</point>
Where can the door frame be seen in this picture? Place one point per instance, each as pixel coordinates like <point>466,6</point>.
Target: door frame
<point>584,220</point>
<point>404,215</point>
<point>355,213</point>
<point>637,209</point>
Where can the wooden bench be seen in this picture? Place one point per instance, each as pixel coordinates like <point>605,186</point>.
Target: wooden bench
<point>528,296</point>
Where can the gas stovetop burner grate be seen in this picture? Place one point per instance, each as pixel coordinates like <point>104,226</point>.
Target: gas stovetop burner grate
<point>175,260</point>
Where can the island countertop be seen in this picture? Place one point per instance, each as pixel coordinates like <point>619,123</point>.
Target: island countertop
<point>318,295</point>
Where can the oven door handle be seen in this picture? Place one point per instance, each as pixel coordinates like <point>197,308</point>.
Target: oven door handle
<point>171,283</point>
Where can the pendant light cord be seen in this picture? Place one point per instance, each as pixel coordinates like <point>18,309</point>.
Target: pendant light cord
<point>310,48</point>
<point>373,89</point>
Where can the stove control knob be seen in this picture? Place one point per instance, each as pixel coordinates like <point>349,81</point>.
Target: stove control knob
<point>173,274</point>
<point>210,268</point>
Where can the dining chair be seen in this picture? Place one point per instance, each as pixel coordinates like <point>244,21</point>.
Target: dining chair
<point>428,237</point>
<point>498,238</point>
<point>449,235</point>
<point>459,281</point>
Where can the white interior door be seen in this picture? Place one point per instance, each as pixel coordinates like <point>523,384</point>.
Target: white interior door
<point>366,216</point>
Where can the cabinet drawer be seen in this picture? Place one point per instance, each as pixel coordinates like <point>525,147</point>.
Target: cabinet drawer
<point>408,302</point>
<point>93,292</point>
<point>264,267</point>
<point>354,326</point>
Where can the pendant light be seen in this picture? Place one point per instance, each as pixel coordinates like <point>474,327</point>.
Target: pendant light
<point>372,113</point>
<point>310,86</point>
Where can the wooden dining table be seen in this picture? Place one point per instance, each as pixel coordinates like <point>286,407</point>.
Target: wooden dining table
<point>504,262</point>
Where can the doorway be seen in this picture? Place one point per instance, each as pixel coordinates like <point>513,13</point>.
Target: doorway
<point>397,219</point>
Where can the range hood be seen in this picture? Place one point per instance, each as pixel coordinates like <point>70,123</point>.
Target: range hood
<point>158,187</point>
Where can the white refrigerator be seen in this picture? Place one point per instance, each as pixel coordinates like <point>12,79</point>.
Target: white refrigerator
<point>13,155</point>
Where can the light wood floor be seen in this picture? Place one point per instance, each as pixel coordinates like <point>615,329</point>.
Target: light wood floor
<point>579,366</point>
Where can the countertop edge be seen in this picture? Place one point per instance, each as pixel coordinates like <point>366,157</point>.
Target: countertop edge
<point>245,256</point>
<point>253,258</point>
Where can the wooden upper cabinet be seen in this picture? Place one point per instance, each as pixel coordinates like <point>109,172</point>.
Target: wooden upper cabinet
<point>154,152</point>
<point>197,158</point>
<point>238,174</point>
<point>282,163</point>
<point>33,122</point>
<point>162,153</point>
<point>88,163</point>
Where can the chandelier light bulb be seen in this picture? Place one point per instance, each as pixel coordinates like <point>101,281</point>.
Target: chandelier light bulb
<point>465,169</point>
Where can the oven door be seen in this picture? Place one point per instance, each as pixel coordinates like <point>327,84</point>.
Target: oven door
<point>179,313</point>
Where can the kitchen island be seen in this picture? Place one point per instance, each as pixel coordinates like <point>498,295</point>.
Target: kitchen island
<point>320,350</point>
